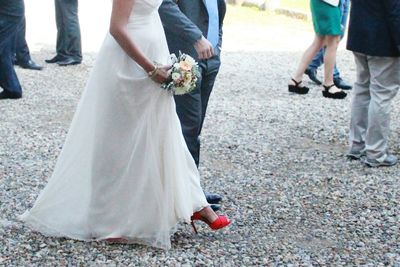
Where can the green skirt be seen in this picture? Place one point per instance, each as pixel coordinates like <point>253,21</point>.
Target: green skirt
<point>326,18</point>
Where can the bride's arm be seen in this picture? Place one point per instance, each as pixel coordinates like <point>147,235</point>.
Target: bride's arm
<point>121,10</point>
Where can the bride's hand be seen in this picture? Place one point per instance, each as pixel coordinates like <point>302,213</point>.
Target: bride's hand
<point>161,74</point>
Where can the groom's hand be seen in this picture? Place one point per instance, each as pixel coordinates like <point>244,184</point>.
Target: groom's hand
<point>204,48</point>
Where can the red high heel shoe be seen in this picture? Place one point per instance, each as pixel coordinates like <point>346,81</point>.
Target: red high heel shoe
<point>219,223</point>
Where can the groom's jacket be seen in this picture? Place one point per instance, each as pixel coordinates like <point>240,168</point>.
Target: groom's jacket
<point>185,21</point>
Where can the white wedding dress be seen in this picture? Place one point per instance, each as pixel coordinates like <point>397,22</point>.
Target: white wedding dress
<point>124,170</point>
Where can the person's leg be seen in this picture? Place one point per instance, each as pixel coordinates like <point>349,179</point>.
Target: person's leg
<point>8,78</point>
<point>73,33</point>
<point>385,83</point>
<point>21,47</point>
<point>207,85</point>
<point>61,33</point>
<point>332,43</point>
<point>312,68</point>
<point>188,108</point>
<point>359,107</point>
<point>308,55</point>
<point>344,10</point>
<point>318,60</point>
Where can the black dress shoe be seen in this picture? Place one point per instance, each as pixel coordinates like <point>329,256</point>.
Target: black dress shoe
<point>55,59</point>
<point>213,198</point>
<point>215,207</point>
<point>339,83</point>
<point>312,74</point>
<point>69,61</point>
<point>31,65</point>
<point>7,95</point>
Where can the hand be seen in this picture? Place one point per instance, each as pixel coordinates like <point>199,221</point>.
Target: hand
<point>161,74</point>
<point>204,48</point>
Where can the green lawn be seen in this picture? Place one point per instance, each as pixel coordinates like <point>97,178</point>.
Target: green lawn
<point>303,5</point>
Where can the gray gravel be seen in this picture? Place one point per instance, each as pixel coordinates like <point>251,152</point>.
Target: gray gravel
<point>277,158</point>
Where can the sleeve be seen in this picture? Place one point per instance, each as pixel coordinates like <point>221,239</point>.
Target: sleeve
<point>175,21</point>
<point>392,10</point>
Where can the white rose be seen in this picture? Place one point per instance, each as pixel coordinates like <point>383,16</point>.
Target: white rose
<point>175,76</point>
<point>176,66</point>
<point>190,60</point>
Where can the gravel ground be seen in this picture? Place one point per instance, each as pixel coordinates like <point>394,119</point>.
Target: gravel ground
<point>277,158</point>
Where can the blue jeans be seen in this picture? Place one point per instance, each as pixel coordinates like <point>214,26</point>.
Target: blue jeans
<point>8,78</point>
<point>20,49</point>
<point>318,60</point>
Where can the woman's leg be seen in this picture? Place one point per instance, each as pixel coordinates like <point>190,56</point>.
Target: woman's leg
<point>307,57</point>
<point>332,43</point>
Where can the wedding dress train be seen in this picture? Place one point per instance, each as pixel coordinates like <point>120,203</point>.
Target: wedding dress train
<point>124,170</point>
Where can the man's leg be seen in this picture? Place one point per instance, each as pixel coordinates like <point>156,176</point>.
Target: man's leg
<point>207,85</point>
<point>317,61</point>
<point>188,108</point>
<point>61,33</point>
<point>72,28</point>
<point>385,83</point>
<point>359,108</point>
<point>8,78</point>
<point>344,8</point>
<point>21,50</point>
<point>21,47</point>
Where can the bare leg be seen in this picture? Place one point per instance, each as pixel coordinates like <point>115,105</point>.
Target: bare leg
<point>332,43</point>
<point>308,55</point>
<point>208,214</point>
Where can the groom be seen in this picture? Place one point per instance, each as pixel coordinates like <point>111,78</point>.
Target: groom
<point>195,28</point>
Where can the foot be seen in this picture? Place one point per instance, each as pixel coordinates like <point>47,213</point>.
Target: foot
<point>331,91</point>
<point>312,74</point>
<point>30,64</point>
<point>7,95</point>
<point>339,83</point>
<point>213,198</point>
<point>55,59</point>
<point>297,87</point>
<point>389,160</point>
<point>207,215</point>
<point>69,61</point>
<point>356,154</point>
<point>215,207</point>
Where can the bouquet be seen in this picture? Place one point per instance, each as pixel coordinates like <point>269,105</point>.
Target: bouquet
<point>184,75</point>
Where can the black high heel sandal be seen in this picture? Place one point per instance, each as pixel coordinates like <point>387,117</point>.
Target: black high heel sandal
<point>338,95</point>
<point>301,90</point>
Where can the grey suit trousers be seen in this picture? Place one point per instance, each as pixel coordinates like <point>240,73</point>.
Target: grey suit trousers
<point>378,81</point>
<point>68,29</point>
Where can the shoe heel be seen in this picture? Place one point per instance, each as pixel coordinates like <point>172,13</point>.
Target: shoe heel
<point>194,227</point>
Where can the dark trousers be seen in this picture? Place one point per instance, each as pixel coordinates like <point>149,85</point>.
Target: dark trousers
<point>8,78</point>
<point>191,108</point>
<point>21,50</point>
<point>68,29</point>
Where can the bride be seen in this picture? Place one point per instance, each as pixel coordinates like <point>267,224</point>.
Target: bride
<point>125,172</point>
